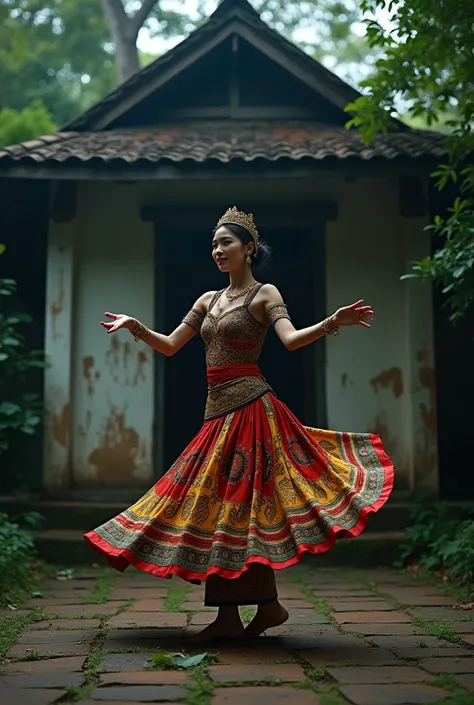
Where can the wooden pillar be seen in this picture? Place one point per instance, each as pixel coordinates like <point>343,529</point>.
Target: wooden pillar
<point>421,400</point>
<point>58,349</point>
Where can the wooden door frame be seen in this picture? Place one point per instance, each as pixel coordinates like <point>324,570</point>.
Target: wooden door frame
<point>168,219</point>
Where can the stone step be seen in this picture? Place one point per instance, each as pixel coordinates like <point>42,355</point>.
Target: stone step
<point>84,515</point>
<point>369,550</point>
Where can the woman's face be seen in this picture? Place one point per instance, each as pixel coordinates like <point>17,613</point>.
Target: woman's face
<point>228,251</point>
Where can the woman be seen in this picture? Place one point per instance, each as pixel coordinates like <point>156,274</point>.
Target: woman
<point>255,489</point>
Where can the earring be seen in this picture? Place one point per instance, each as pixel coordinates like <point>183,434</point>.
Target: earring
<point>248,259</point>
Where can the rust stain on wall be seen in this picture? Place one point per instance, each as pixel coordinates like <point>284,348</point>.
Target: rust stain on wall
<point>61,424</point>
<point>389,378</point>
<point>127,351</point>
<point>57,304</point>
<point>112,358</point>
<point>87,365</point>
<point>427,378</point>
<point>142,359</point>
<point>382,429</point>
<point>115,458</point>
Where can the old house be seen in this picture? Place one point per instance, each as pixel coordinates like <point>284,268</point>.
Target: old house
<point>118,209</point>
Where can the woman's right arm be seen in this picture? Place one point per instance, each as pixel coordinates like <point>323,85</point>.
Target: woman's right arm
<point>165,344</point>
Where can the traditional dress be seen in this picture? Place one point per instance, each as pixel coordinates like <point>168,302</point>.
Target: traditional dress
<point>255,489</point>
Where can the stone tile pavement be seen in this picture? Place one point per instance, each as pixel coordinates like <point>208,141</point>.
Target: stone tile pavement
<point>365,638</point>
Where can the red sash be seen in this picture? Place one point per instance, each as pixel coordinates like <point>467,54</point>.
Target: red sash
<point>217,375</point>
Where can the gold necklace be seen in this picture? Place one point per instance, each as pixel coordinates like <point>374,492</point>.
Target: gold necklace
<point>233,297</point>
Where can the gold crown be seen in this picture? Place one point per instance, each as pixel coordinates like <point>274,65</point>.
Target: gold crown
<point>245,220</point>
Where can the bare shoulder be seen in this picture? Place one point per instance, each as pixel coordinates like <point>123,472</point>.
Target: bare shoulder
<point>202,303</point>
<point>270,294</point>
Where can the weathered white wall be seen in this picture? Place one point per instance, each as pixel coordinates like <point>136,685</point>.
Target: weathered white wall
<point>57,380</point>
<point>113,385</point>
<point>382,380</point>
<point>102,387</point>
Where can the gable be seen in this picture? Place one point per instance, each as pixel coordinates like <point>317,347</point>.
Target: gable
<point>233,48</point>
<point>235,81</point>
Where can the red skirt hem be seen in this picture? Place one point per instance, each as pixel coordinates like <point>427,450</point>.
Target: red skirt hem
<point>121,559</point>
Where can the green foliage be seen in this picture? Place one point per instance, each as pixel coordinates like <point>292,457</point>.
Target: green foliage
<point>20,411</point>
<point>61,51</point>
<point>17,551</point>
<point>22,125</point>
<point>428,65</point>
<point>439,541</point>
<point>64,53</point>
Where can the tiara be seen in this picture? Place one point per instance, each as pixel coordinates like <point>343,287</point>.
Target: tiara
<point>245,220</point>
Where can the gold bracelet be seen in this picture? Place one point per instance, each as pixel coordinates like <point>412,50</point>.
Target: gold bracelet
<point>140,332</point>
<point>329,327</point>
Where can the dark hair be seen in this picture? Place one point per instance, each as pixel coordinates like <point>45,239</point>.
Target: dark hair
<point>263,254</point>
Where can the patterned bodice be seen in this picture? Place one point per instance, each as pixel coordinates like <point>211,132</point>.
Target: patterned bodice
<point>231,338</point>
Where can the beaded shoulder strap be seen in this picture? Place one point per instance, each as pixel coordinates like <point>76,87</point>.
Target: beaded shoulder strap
<point>252,294</point>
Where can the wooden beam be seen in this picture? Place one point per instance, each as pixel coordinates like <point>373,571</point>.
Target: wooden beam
<point>306,168</point>
<point>278,112</point>
<point>234,88</point>
<point>297,68</point>
<point>283,216</point>
<point>144,89</point>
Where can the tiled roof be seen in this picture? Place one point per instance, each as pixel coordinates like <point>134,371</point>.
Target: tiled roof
<point>223,141</point>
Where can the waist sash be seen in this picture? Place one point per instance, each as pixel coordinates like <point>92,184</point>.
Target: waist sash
<point>225,373</point>
<point>231,387</point>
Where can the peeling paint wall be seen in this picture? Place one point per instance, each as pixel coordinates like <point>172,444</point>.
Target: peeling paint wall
<point>100,392</point>
<point>57,388</point>
<point>113,380</point>
<point>376,381</point>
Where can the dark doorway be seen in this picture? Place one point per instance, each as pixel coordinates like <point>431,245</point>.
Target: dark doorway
<point>297,268</point>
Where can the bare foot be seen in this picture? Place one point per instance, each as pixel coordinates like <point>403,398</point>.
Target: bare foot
<point>268,616</point>
<point>219,629</point>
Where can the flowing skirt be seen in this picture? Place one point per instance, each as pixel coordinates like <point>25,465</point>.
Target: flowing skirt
<point>253,486</point>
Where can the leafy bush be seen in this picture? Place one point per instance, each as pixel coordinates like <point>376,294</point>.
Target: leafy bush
<point>22,125</point>
<point>20,411</point>
<point>17,551</point>
<point>439,542</point>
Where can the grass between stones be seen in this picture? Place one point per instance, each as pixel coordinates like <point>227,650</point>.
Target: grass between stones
<point>176,597</point>
<point>91,670</point>
<point>103,587</point>
<point>458,694</point>
<point>11,627</point>
<point>431,627</point>
<point>318,681</point>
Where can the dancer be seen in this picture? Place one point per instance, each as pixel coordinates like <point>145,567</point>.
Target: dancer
<point>255,489</point>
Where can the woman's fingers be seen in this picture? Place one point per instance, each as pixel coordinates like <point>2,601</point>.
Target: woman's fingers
<point>111,315</point>
<point>357,304</point>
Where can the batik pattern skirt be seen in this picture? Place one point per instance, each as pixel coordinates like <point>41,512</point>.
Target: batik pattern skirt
<point>253,486</point>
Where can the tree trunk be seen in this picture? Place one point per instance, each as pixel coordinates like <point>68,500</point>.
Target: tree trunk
<point>126,57</point>
<point>124,32</point>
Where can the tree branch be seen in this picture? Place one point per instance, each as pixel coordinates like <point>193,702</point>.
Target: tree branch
<point>141,15</point>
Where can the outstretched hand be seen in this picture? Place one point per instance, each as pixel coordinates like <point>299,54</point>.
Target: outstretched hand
<point>119,320</point>
<point>355,314</point>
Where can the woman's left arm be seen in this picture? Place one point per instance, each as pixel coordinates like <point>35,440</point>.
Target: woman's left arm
<point>292,339</point>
